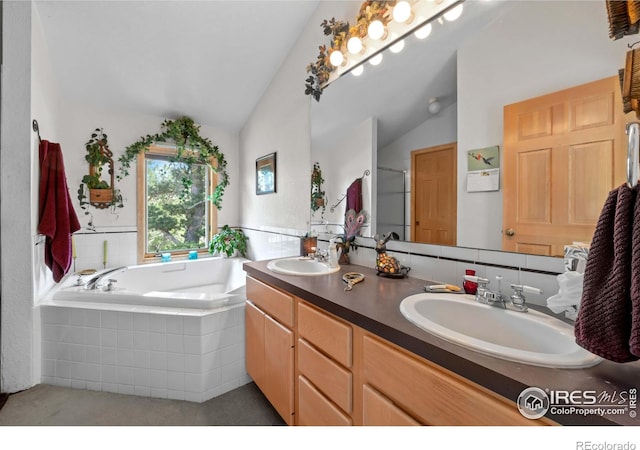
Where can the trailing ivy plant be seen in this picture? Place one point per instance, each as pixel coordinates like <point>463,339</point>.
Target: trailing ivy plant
<point>191,148</point>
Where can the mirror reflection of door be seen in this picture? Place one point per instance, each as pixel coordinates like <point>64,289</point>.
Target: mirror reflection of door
<point>434,195</point>
<point>563,153</point>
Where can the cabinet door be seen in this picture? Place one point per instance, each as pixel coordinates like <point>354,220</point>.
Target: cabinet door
<point>254,338</point>
<point>278,367</point>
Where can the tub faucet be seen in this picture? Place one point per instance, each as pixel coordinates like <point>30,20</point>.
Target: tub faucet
<point>93,282</point>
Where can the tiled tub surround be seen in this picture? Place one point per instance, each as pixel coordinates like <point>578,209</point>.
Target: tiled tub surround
<point>191,355</point>
<point>162,332</point>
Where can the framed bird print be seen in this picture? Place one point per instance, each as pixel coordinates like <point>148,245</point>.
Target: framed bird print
<point>483,166</point>
<point>483,159</point>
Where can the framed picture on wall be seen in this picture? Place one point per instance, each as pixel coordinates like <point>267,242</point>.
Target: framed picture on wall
<point>266,174</point>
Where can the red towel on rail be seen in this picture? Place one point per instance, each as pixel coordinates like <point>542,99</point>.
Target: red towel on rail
<point>608,322</point>
<point>354,196</point>
<point>57,218</point>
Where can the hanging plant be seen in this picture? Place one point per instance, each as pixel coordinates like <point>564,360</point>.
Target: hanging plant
<point>93,190</point>
<point>321,69</point>
<point>191,148</point>
<point>318,199</point>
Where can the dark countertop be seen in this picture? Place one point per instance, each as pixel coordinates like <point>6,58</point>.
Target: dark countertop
<point>374,305</point>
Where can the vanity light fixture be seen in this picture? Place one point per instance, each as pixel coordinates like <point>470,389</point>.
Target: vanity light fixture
<point>397,47</point>
<point>376,30</point>
<point>403,19</point>
<point>357,71</point>
<point>454,14</point>
<point>354,45</point>
<point>402,12</point>
<point>424,31</point>
<point>375,60</point>
<point>336,58</point>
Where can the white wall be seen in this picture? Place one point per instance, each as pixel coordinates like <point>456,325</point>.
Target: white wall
<point>436,130</point>
<point>18,229</point>
<point>344,156</point>
<point>514,59</point>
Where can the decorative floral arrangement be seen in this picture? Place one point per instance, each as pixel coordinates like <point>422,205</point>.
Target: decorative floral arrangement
<point>340,31</point>
<point>191,149</point>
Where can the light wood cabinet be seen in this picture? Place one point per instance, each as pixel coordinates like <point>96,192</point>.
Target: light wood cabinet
<point>430,393</point>
<point>270,348</point>
<point>324,360</point>
<point>318,369</point>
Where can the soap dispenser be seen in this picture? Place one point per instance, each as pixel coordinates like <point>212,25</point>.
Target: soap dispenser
<point>333,253</point>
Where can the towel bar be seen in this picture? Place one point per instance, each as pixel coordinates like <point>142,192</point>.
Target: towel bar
<point>633,149</point>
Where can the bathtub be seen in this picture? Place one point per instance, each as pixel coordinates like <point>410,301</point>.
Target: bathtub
<point>167,330</point>
<point>201,284</point>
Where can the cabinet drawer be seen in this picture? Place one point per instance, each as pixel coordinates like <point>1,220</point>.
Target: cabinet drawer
<point>315,409</point>
<point>431,394</point>
<point>377,410</point>
<point>274,302</point>
<point>330,335</point>
<point>329,377</point>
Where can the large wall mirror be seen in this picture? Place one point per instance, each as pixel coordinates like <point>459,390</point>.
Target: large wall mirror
<point>497,53</point>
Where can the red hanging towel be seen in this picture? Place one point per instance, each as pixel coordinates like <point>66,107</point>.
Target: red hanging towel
<point>57,218</point>
<point>354,196</point>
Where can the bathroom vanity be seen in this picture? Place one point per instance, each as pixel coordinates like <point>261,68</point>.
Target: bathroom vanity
<point>326,356</point>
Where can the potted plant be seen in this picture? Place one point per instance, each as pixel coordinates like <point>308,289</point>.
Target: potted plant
<point>98,156</point>
<point>228,241</point>
<point>317,194</point>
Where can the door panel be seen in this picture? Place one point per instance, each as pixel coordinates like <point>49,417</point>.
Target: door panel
<point>563,153</point>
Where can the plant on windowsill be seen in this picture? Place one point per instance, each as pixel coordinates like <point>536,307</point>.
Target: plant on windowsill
<point>191,149</point>
<point>228,241</point>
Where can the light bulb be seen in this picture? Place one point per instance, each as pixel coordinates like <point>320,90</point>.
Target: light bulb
<point>377,59</point>
<point>354,45</point>
<point>336,58</point>
<point>357,71</point>
<point>402,12</point>
<point>424,31</point>
<point>376,30</point>
<point>397,47</point>
<point>454,13</point>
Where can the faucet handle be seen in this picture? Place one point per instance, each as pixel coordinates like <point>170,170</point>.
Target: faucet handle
<point>518,302</point>
<point>474,279</point>
<point>520,288</point>
<point>109,286</point>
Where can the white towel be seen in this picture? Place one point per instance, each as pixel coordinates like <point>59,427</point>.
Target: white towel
<point>569,294</point>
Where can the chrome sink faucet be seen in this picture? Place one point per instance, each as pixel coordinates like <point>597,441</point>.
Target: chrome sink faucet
<point>516,302</point>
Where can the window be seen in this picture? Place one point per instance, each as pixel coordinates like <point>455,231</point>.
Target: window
<point>175,211</point>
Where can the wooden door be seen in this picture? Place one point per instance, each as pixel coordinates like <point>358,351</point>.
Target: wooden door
<point>434,195</point>
<point>563,153</point>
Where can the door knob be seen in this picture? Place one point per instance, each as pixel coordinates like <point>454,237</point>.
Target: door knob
<point>510,232</point>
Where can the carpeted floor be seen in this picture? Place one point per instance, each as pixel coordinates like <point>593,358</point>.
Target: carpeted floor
<point>52,405</point>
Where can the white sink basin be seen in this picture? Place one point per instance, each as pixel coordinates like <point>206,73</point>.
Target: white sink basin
<point>531,337</point>
<point>300,266</point>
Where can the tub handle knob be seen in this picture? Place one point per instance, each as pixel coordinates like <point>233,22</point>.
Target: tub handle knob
<point>109,285</point>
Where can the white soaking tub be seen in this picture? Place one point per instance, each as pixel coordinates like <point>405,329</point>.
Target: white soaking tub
<point>168,330</point>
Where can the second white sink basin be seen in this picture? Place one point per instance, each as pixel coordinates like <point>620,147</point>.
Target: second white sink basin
<point>300,266</point>
<point>531,338</point>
